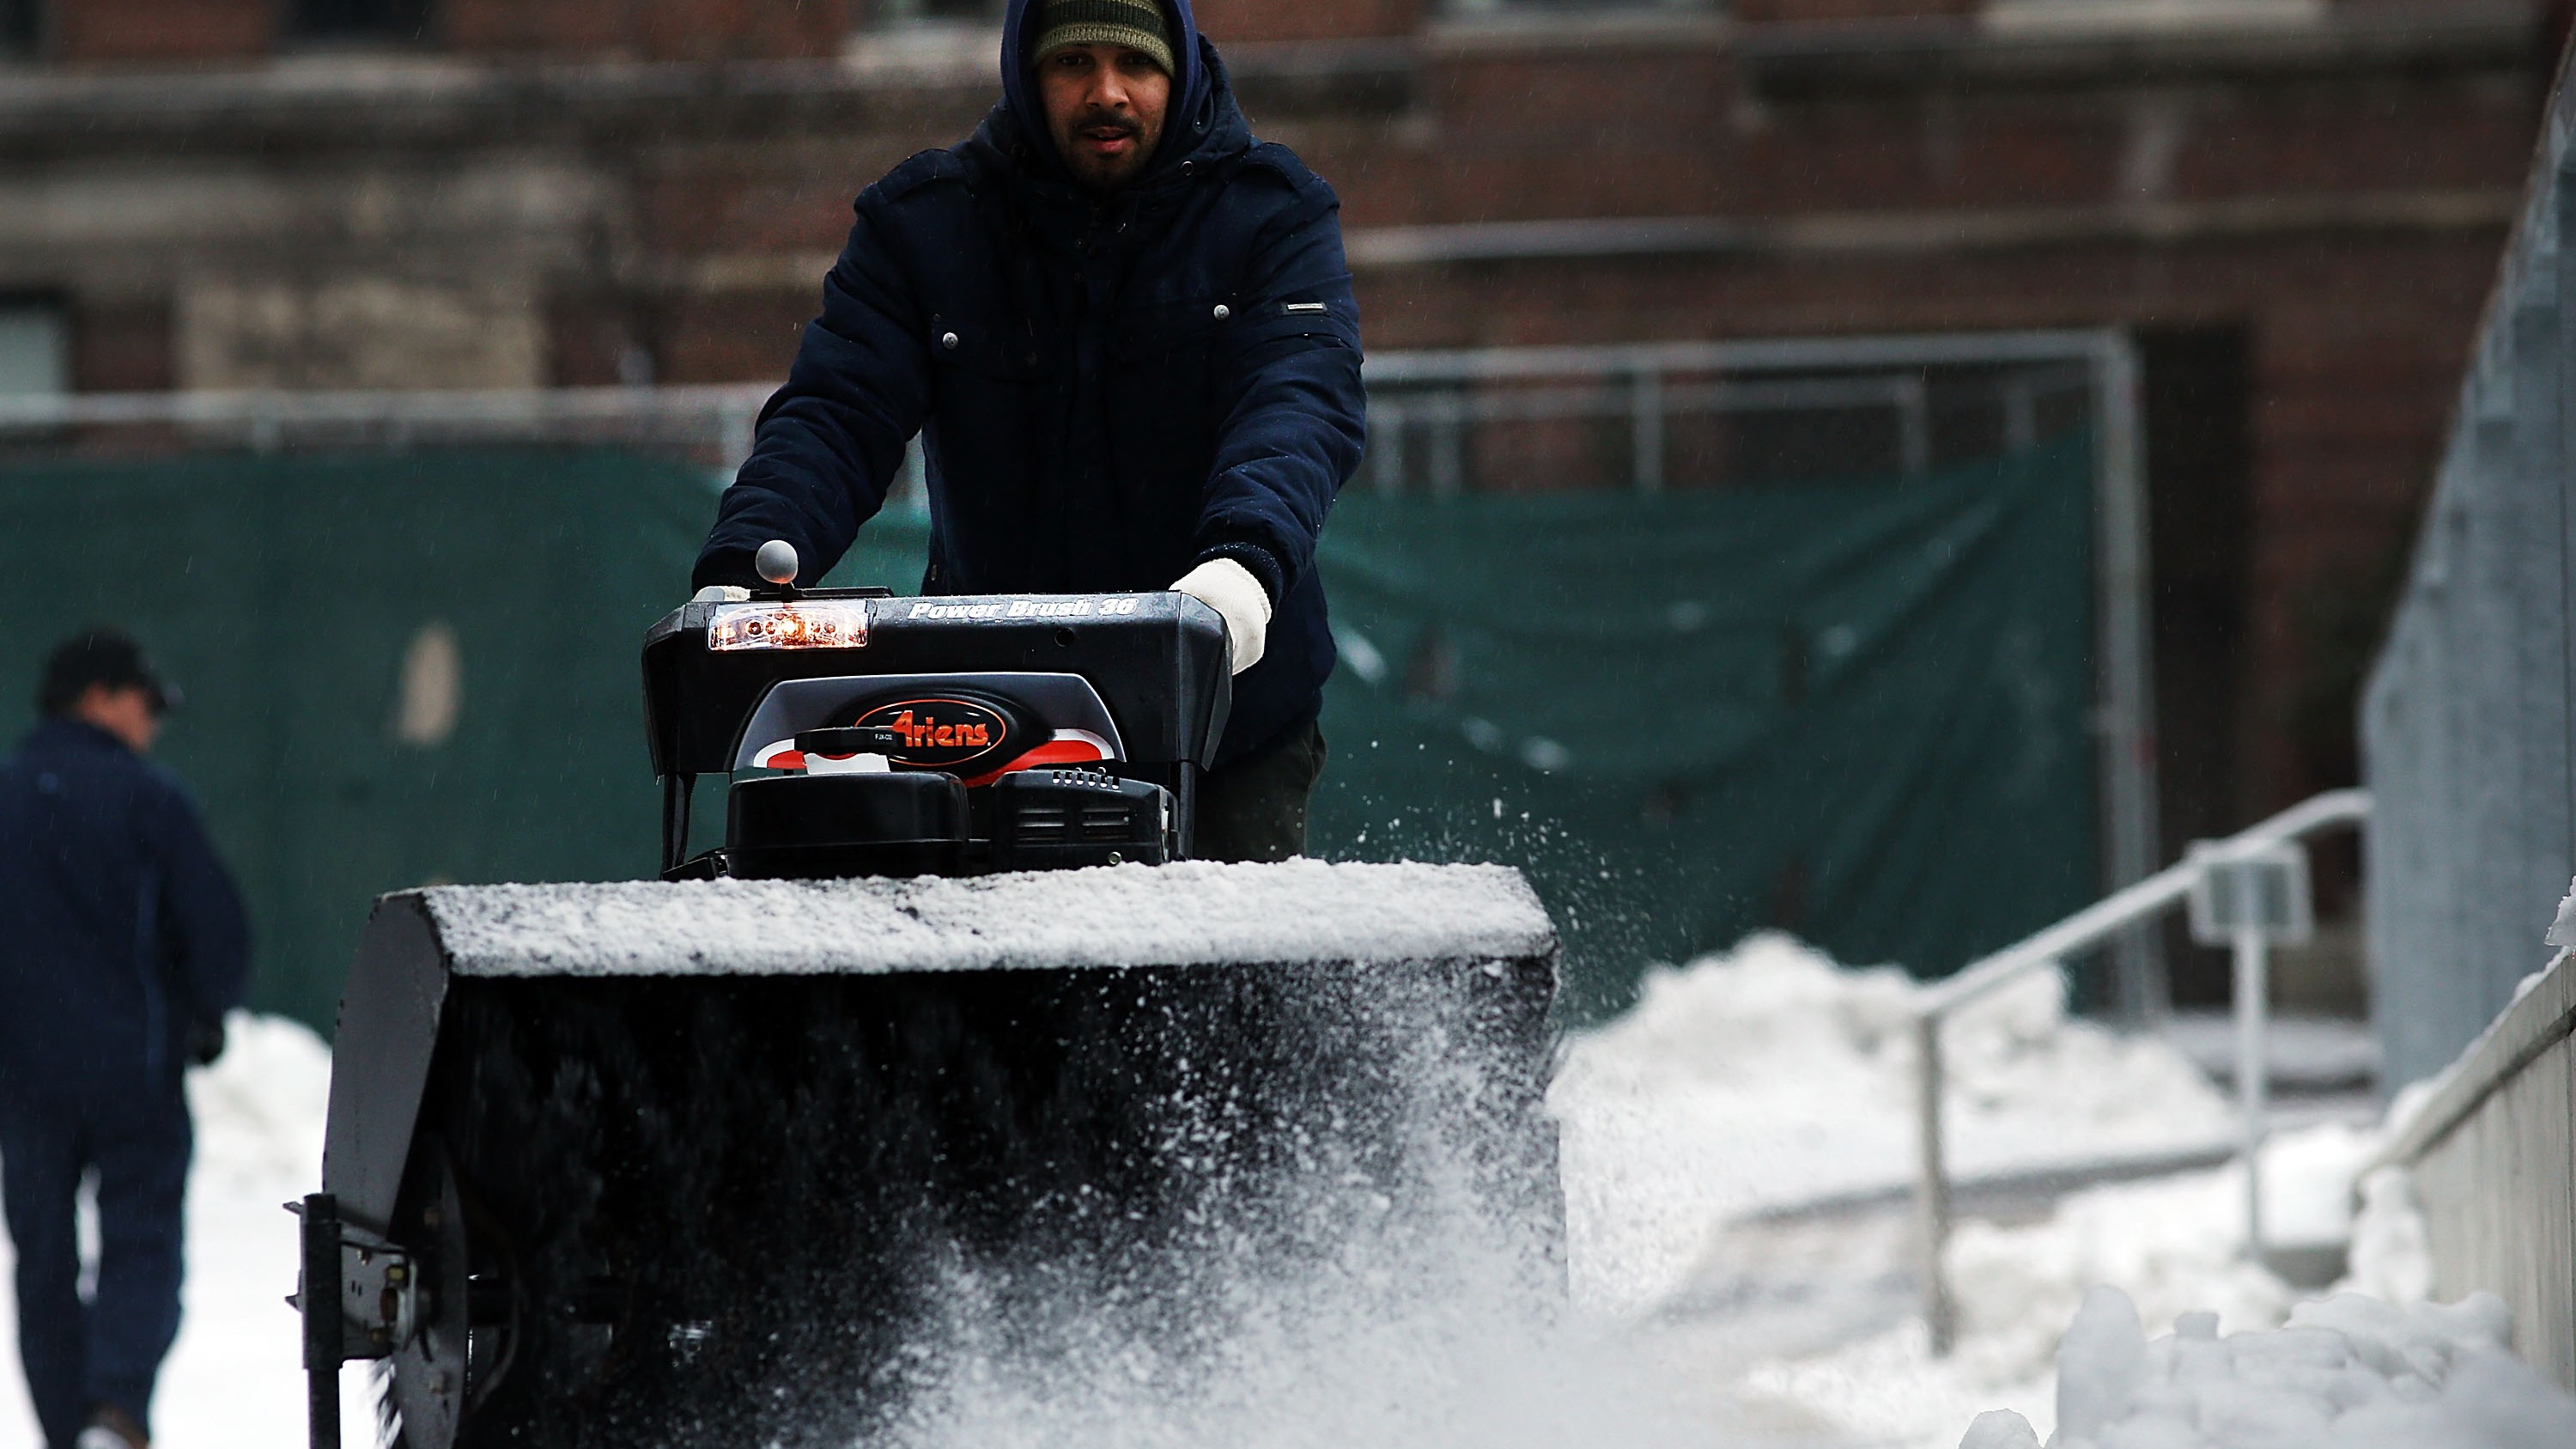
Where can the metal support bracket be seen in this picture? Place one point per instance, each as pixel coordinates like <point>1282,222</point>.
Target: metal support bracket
<point>2250,900</point>
<point>368,1309</point>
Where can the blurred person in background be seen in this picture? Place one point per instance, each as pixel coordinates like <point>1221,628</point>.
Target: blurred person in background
<point>1124,329</point>
<point>122,946</point>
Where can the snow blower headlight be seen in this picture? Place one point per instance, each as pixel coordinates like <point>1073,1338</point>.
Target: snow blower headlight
<point>811,624</point>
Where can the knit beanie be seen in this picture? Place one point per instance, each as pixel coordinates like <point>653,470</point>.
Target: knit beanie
<point>1136,24</point>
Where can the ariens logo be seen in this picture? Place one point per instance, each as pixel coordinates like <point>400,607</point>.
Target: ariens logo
<point>930,732</point>
<point>939,733</point>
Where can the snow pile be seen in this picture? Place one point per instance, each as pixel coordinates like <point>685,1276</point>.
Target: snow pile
<point>2174,1245</point>
<point>2392,1258</point>
<point>1769,1077</point>
<point>2171,1246</point>
<point>233,1379</point>
<point>259,1108</point>
<point>2346,1373</point>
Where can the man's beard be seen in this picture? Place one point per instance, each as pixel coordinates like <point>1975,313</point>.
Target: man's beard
<point>1106,171</point>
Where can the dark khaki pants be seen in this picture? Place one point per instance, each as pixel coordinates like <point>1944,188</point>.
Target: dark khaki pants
<point>1255,808</point>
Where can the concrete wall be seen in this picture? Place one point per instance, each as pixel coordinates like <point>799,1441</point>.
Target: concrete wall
<point>2466,724</point>
<point>2468,752</point>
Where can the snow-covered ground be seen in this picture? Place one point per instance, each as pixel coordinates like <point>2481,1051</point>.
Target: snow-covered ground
<point>1715,1307</point>
<point>1768,1077</point>
<point>2348,1372</point>
<point>2307,1054</point>
<point>2172,1245</point>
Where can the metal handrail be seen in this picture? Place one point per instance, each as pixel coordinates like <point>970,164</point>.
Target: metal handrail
<point>716,416</point>
<point>1483,364</point>
<point>2092,926</point>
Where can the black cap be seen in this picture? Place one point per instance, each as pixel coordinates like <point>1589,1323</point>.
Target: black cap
<point>107,657</point>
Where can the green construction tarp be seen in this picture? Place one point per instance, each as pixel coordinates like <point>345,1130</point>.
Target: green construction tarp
<point>1856,711</point>
<point>291,597</point>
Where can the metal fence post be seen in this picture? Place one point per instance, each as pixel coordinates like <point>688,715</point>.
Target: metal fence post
<point>2127,676</point>
<point>1914,425</point>
<point>1646,430</point>
<point>1386,448</point>
<point>2021,418</point>
<point>267,430</point>
<point>2253,1005</point>
<point>734,428</point>
<point>1932,1187</point>
<point>1448,445</point>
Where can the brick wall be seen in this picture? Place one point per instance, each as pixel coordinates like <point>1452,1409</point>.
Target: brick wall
<point>1763,11</point>
<point>1270,20</point>
<point>126,32</point>
<point>732,30</point>
<point>2337,220</point>
<point>537,27</point>
<point>130,31</point>
<point>648,29</point>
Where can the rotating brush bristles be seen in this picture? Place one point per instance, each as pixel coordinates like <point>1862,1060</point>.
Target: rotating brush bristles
<point>720,1213</point>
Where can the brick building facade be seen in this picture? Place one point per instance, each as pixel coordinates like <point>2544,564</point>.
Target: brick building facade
<point>2295,205</point>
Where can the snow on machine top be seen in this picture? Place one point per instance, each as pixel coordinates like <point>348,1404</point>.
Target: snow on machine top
<point>1180,914</point>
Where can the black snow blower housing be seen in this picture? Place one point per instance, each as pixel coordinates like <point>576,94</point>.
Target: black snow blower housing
<point>739,1156</point>
<point>942,736</point>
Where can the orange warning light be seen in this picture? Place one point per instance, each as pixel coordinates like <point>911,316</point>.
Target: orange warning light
<point>810,624</point>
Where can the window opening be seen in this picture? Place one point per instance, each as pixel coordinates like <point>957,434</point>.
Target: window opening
<point>396,20</point>
<point>34,351</point>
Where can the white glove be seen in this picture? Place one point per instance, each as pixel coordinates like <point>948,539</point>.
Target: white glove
<point>1230,589</point>
<point>720,594</point>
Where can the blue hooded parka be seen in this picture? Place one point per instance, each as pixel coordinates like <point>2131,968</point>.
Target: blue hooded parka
<point>1110,389</point>
<point>119,928</point>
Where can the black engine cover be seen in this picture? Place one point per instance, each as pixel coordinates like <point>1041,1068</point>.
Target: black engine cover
<point>966,688</point>
<point>1052,819</point>
<point>909,822</point>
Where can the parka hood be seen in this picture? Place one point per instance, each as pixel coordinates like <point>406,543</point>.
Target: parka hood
<point>1186,123</point>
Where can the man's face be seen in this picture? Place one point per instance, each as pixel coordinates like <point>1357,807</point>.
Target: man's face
<point>124,711</point>
<point>1104,107</point>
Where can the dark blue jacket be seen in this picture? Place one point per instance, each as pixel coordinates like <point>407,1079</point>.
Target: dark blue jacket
<point>118,927</point>
<point>1109,389</point>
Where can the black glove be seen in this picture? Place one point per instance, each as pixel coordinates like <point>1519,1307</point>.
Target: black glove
<point>205,1042</point>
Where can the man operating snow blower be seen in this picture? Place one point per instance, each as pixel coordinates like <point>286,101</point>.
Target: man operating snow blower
<point>1125,332</point>
<point>998,1006</point>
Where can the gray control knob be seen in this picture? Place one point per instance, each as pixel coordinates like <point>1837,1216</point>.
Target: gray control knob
<point>776,562</point>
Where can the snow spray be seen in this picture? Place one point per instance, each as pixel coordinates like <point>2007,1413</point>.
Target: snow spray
<point>1240,1204</point>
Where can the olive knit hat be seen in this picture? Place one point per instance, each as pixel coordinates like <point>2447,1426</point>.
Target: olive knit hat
<point>1136,24</point>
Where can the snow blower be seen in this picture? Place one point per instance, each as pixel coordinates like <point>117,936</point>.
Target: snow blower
<point>949,1012</point>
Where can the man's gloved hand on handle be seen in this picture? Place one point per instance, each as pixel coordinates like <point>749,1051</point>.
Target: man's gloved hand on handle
<point>1230,589</point>
<point>1220,583</point>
